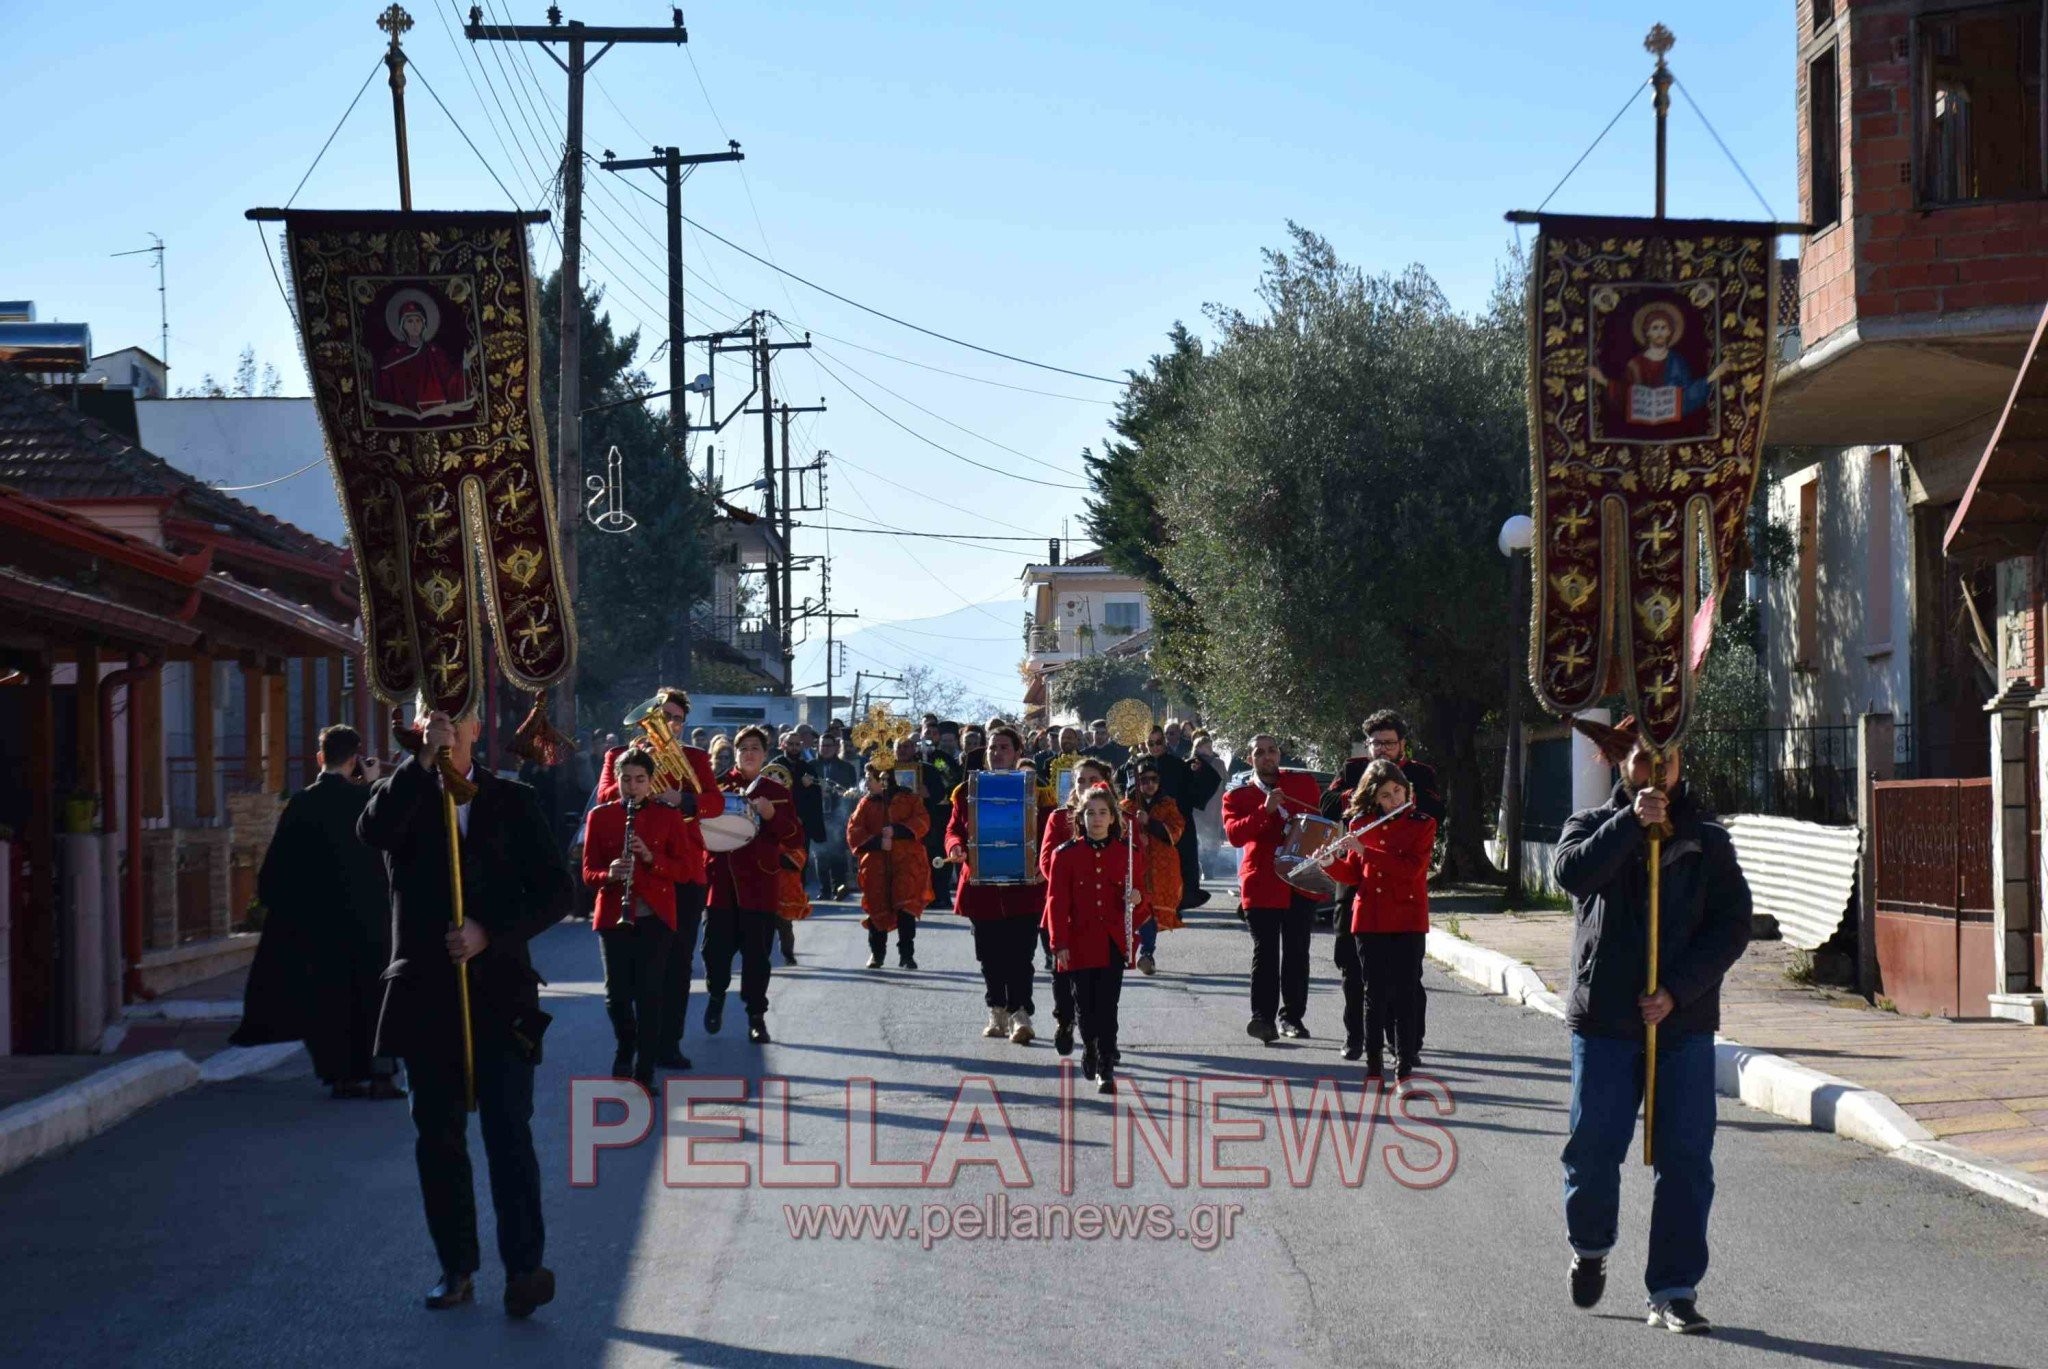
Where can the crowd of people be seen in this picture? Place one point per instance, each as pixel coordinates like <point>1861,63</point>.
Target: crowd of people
<point>1061,845</point>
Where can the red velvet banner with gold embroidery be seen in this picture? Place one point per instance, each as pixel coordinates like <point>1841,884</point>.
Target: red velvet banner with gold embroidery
<point>1650,373</point>
<point>421,339</point>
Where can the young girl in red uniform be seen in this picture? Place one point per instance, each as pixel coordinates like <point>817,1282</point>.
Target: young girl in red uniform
<point>1389,867</point>
<point>1061,827</point>
<point>1088,908</point>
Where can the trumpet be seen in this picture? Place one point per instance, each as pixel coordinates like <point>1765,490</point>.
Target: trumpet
<point>672,769</point>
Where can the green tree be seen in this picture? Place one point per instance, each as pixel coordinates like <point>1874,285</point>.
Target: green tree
<point>1329,493</point>
<point>633,589</point>
<point>1088,687</point>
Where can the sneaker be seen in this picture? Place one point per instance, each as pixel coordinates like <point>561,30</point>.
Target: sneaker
<point>1293,1030</point>
<point>714,1015</point>
<point>1020,1029</point>
<point>1261,1028</point>
<point>1589,1279</point>
<point>1681,1317</point>
<point>1063,1036</point>
<point>874,960</point>
<point>757,1030</point>
<point>1354,1047</point>
<point>998,1023</point>
<point>1146,965</point>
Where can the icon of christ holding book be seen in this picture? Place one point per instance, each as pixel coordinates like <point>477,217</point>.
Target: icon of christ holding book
<point>1657,388</point>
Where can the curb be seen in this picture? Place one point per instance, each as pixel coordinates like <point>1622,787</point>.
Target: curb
<point>184,1010</point>
<point>60,1119</point>
<point>1771,1083</point>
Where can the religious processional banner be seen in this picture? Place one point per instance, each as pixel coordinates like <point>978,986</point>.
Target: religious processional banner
<point>420,337</point>
<point>1650,372</point>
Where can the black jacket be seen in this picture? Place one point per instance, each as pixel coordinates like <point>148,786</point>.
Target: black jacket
<point>810,799</point>
<point>515,884</point>
<point>1422,783</point>
<point>1602,862</point>
<point>327,924</point>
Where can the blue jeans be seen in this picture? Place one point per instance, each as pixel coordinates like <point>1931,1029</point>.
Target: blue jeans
<point>1607,1089</point>
<point>1148,936</point>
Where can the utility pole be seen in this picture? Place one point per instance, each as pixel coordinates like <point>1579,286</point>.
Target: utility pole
<point>780,606</point>
<point>569,433</point>
<point>670,162</point>
<point>163,308</point>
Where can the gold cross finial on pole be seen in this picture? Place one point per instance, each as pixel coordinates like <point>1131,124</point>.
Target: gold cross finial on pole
<point>1659,42</point>
<point>395,21</point>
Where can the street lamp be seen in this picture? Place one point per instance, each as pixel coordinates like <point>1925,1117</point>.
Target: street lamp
<point>1517,536</point>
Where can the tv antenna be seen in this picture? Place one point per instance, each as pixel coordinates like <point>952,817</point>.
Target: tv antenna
<point>163,313</point>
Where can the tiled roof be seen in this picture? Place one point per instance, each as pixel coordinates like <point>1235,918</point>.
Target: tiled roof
<point>52,451</point>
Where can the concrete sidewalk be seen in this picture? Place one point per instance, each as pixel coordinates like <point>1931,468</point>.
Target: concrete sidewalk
<point>1980,1087</point>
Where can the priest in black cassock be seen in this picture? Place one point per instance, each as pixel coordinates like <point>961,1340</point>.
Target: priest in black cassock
<point>326,930</point>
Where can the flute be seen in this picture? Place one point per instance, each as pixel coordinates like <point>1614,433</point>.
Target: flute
<point>1334,849</point>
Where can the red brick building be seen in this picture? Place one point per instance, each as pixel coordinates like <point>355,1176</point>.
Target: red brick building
<point>1923,161</point>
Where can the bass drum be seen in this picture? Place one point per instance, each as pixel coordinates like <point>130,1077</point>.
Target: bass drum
<point>733,828</point>
<point>1307,833</point>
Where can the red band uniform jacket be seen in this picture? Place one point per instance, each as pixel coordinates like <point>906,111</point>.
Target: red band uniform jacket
<point>1391,872</point>
<point>750,877</point>
<point>1257,833</point>
<point>1084,903</point>
<point>655,875</point>
<point>706,802</point>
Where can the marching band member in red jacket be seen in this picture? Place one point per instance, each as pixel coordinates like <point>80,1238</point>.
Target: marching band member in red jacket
<point>1087,906</point>
<point>746,890</point>
<point>1061,827</point>
<point>1256,807</point>
<point>1389,865</point>
<point>635,941</point>
<point>1005,916</point>
<point>704,799</point>
<point>886,834</point>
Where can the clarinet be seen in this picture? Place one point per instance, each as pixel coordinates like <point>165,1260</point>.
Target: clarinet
<point>626,898</point>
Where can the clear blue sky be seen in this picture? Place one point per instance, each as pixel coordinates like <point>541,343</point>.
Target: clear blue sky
<point>1061,181</point>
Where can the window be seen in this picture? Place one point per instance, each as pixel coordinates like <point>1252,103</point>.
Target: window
<point>1120,617</point>
<point>1823,141</point>
<point>1980,104</point>
<point>1806,652</point>
<point>1877,591</point>
<point>1823,14</point>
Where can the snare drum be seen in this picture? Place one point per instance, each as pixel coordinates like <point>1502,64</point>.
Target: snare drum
<point>733,828</point>
<point>1307,833</point>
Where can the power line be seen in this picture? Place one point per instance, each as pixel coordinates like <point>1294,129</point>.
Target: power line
<point>934,536</point>
<point>1003,446</point>
<point>940,446</point>
<point>957,375</point>
<point>899,322</point>
<point>909,489</point>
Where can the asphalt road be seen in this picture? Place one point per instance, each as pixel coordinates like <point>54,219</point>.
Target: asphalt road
<point>260,1223</point>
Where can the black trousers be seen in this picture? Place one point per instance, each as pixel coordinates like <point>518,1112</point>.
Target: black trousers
<point>1063,996</point>
<point>681,961</point>
<point>1387,967</point>
<point>1190,848</point>
<point>1280,942</point>
<point>1006,948</point>
<point>1096,995</point>
<point>906,936</point>
<point>349,995</point>
<point>636,983</point>
<point>751,933</point>
<point>504,1114</point>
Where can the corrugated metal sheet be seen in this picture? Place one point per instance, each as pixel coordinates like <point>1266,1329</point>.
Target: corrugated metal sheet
<point>1801,873</point>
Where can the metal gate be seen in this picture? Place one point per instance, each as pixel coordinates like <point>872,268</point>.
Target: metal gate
<point>1933,900</point>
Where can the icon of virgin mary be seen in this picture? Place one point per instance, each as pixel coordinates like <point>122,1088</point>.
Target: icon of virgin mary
<point>416,376</point>
<point>1657,387</point>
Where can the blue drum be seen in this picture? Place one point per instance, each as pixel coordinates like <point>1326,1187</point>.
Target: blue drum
<point>1002,809</point>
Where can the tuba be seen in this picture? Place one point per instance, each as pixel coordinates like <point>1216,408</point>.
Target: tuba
<point>672,769</point>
